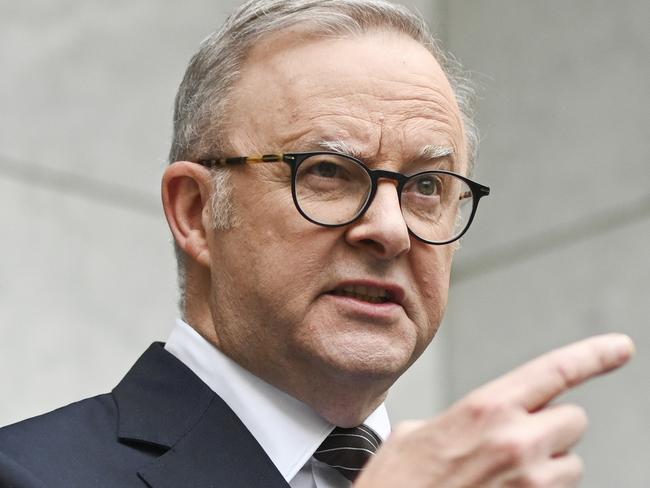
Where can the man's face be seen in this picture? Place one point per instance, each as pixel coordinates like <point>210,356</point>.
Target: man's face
<point>278,280</point>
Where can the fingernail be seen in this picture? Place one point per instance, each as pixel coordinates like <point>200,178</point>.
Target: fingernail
<point>624,347</point>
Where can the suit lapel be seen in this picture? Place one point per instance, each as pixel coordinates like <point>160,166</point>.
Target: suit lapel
<point>162,403</point>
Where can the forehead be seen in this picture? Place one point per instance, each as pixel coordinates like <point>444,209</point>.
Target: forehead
<point>380,92</point>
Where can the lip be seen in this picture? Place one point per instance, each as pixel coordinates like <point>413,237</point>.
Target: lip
<point>366,312</point>
<point>396,292</point>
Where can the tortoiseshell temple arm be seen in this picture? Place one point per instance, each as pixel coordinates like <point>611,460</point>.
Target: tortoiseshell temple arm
<point>265,158</point>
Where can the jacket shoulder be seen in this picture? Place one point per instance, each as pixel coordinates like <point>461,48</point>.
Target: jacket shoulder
<point>53,429</point>
<point>75,445</point>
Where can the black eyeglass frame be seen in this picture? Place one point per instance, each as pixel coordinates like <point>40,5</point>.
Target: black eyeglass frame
<point>295,159</point>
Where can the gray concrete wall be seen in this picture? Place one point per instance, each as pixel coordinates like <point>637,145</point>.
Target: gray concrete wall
<point>87,277</point>
<point>559,250</point>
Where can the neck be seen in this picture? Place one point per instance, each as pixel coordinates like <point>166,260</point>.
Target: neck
<point>339,397</point>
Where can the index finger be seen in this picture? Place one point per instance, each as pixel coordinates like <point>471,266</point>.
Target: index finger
<point>539,381</point>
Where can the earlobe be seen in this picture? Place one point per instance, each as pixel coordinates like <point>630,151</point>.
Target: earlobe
<point>186,191</point>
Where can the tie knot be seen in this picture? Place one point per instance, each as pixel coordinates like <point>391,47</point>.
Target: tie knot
<point>348,449</point>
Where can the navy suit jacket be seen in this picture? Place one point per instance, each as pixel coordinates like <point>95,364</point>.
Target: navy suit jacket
<point>161,427</point>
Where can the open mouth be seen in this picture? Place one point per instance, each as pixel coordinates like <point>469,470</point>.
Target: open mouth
<point>369,294</point>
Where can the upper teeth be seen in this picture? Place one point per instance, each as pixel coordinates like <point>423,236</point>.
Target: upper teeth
<point>369,291</point>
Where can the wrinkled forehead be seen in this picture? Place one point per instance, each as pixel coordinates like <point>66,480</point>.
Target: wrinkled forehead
<point>380,92</point>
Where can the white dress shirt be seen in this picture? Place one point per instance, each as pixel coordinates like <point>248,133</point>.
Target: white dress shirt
<point>288,430</point>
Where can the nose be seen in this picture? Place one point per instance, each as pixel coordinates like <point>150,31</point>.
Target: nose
<point>382,230</point>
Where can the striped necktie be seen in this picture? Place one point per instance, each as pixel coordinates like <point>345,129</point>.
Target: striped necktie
<point>348,450</point>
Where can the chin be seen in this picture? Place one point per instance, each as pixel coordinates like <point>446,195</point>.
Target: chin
<point>350,392</point>
<point>350,373</point>
<point>366,363</point>
<point>349,416</point>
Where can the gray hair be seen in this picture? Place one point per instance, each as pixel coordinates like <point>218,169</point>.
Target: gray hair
<point>201,107</point>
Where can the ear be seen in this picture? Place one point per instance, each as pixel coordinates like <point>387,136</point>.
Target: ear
<point>186,190</point>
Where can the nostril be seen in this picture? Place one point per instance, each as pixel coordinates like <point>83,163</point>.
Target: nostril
<point>374,246</point>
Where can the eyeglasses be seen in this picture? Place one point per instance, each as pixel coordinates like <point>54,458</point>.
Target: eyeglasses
<point>332,190</point>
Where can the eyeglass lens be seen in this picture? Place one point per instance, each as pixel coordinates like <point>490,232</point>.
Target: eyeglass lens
<point>333,189</point>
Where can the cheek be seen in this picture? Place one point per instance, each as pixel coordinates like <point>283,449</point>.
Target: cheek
<point>432,270</point>
<point>289,263</point>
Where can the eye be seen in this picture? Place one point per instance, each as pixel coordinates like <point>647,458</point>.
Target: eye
<point>324,172</point>
<point>326,169</point>
<point>428,185</point>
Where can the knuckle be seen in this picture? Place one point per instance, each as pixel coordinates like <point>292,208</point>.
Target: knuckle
<point>577,467</point>
<point>603,357</point>
<point>569,474</point>
<point>508,450</point>
<point>480,408</point>
<point>532,480</point>
<point>581,416</point>
<point>574,416</point>
<point>568,373</point>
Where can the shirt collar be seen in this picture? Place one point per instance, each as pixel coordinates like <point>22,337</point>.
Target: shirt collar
<point>288,430</point>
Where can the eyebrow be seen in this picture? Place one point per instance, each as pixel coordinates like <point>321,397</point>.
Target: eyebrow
<point>428,152</point>
<point>435,151</point>
<point>340,146</point>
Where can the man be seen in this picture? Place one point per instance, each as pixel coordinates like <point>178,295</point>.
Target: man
<point>312,278</point>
